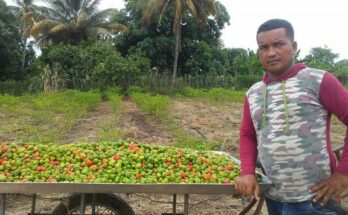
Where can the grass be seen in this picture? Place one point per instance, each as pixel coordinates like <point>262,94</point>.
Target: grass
<point>113,95</point>
<point>184,140</point>
<point>108,130</point>
<point>212,95</point>
<point>156,105</point>
<point>44,117</point>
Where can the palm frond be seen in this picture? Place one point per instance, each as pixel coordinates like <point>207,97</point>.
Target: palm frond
<point>58,28</point>
<point>204,9</point>
<point>27,31</point>
<point>95,31</point>
<point>101,16</point>
<point>178,15</point>
<point>42,27</point>
<point>53,14</point>
<point>84,5</point>
<point>81,20</point>
<point>31,16</point>
<point>91,6</point>
<point>151,8</point>
<point>14,10</point>
<point>77,6</point>
<point>211,7</point>
<point>201,15</point>
<point>116,27</point>
<point>28,2</point>
<point>192,7</point>
<point>162,12</point>
<point>42,41</point>
<point>71,7</point>
<point>20,3</point>
<point>62,7</point>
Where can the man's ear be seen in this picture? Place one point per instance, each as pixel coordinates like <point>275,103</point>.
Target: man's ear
<point>294,47</point>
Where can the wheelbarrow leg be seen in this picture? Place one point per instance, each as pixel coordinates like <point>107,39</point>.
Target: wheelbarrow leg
<point>186,205</point>
<point>174,204</point>
<point>2,204</point>
<point>93,204</point>
<point>33,204</point>
<point>82,206</point>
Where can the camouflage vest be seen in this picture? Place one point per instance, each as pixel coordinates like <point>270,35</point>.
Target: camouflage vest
<point>291,136</point>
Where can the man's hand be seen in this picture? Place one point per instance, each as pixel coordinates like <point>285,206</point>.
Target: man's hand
<point>331,188</point>
<point>248,186</point>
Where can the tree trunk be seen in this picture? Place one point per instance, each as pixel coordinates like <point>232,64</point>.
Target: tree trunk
<point>24,54</point>
<point>177,52</point>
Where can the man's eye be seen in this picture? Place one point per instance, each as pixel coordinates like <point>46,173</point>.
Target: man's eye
<point>262,48</point>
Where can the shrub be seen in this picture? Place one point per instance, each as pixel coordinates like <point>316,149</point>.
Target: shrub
<point>246,81</point>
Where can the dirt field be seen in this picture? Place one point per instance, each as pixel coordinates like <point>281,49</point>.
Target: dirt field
<point>219,122</point>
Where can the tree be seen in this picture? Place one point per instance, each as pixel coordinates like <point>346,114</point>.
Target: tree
<point>341,70</point>
<point>72,21</point>
<point>247,64</point>
<point>201,61</point>
<point>24,10</point>
<point>321,58</point>
<point>198,9</point>
<point>9,44</point>
<point>157,41</point>
<point>92,64</point>
<point>229,56</point>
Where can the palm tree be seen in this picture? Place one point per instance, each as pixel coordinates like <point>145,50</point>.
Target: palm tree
<point>21,10</point>
<point>72,21</point>
<point>199,9</point>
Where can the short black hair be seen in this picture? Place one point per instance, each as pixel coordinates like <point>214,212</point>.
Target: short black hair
<point>277,23</point>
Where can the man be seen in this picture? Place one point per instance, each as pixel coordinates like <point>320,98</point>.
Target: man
<point>286,123</point>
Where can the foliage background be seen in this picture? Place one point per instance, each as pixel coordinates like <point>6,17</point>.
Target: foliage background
<point>136,55</point>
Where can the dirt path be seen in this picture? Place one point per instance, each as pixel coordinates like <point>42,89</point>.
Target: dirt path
<point>137,125</point>
<point>88,127</point>
<point>129,121</point>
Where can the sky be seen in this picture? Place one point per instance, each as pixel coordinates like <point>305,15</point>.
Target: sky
<point>317,23</point>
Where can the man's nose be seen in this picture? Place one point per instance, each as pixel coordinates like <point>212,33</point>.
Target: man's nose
<point>271,52</point>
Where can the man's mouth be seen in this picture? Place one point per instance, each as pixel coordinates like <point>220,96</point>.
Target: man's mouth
<point>272,61</point>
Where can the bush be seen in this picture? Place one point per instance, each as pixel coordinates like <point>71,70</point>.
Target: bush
<point>246,81</point>
<point>92,65</point>
<point>14,88</point>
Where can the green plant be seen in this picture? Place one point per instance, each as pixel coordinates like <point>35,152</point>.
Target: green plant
<point>183,140</point>
<point>44,117</point>
<point>108,131</point>
<point>213,95</point>
<point>156,105</point>
<point>246,81</point>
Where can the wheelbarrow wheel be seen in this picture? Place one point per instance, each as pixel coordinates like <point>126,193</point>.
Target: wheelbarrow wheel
<point>104,204</point>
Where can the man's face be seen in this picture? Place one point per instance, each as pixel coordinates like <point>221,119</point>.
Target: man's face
<point>276,51</point>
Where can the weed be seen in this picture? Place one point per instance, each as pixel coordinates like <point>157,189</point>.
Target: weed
<point>44,117</point>
<point>212,95</point>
